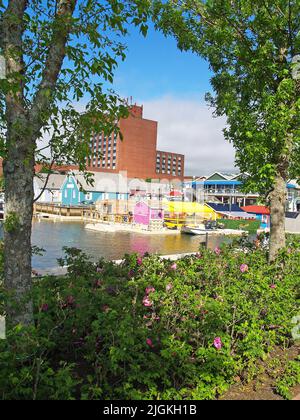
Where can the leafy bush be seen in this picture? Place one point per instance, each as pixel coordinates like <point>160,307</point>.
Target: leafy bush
<point>290,378</point>
<point>150,328</point>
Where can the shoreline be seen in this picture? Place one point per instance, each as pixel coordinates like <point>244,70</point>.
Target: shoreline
<point>62,271</point>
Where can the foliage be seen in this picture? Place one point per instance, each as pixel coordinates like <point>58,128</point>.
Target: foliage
<point>66,54</point>
<point>11,222</point>
<point>250,226</point>
<point>290,378</point>
<point>250,46</point>
<point>152,328</point>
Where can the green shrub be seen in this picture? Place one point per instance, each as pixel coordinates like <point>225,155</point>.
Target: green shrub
<point>152,329</point>
<point>290,378</point>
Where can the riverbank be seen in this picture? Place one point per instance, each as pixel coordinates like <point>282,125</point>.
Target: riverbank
<point>62,271</point>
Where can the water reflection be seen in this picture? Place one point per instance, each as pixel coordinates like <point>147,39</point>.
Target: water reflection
<point>53,236</point>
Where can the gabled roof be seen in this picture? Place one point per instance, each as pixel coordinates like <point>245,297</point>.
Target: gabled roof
<point>117,183</point>
<point>218,176</point>
<point>55,181</point>
<point>236,177</point>
<point>257,209</point>
<point>103,182</point>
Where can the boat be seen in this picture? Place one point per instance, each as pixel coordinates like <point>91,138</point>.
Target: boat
<point>194,230</point>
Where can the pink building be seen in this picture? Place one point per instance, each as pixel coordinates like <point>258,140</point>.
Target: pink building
<point>144,214</point>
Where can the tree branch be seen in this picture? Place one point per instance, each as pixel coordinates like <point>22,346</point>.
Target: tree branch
<point>46,181</point>
<point>56,53</point>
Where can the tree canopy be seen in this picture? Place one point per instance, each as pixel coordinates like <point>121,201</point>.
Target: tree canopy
<point>66,53</point>
<point>250,46</point>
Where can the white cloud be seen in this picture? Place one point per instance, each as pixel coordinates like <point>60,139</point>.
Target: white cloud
<point>188,127</point>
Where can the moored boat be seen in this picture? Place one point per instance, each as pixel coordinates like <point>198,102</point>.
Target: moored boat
<point>194,230</point>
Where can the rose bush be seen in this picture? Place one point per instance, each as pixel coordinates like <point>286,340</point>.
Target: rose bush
<point>151,328</point>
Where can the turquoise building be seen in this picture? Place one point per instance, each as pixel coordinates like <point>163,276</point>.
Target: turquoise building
<point>75,191</point>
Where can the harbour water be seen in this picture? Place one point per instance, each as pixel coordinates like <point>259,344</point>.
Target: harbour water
<point>53,236</point>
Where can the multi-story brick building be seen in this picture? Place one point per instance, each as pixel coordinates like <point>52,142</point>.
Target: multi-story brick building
<point>136,153</point>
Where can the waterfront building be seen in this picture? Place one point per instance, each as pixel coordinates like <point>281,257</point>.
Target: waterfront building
<point>48,190</point>
<point>144,214</point>
<point>111,193</point>
<point>261,213</point>
<point>231,211</point>
<point>221,188</point>
<point>77,191</point>
<point>227,189</point>
<point>136,153</point>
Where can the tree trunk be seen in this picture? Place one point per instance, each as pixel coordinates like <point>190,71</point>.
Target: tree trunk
<point>18,173</point>
<point>278,205</point>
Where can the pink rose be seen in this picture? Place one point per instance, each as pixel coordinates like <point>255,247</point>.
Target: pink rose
<point>217,251</point>
<point>273,286</point>
<point>244,268</point>
<point>174,267</point>
<point>169,287</point>
<point>218,343</point>
<point>149,290</point>
<point>147,302</point>
<point>149,342</point>
<point>139,261</point>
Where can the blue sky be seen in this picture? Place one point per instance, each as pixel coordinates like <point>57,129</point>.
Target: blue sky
<point>171,85</point>
<point>154,66</point>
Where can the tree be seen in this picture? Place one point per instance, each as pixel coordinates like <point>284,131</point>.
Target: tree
<point>57,53</point>
<point>250,46</point>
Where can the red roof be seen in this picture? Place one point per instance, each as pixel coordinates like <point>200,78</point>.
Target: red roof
<point>175,194</point>
<point>257,209</point>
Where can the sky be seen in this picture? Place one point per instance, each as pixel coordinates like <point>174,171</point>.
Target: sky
<point>171,85</point>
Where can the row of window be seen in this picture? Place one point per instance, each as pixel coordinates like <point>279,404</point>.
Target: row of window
<point>174,172</point>
<point>163,157</point>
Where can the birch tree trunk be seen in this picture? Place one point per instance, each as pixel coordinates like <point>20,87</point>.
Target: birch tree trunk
<point>24,124</point>
<point>18,166</point>
<point>18,172</point>
<point>277,206</point>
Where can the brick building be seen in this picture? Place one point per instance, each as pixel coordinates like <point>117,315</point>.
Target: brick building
<point>137,153</point>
